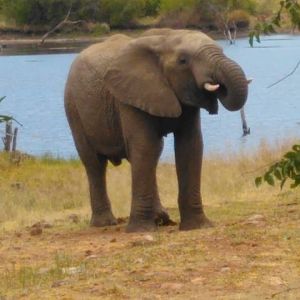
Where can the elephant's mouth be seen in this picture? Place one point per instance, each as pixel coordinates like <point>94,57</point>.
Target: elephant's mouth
<point>199,97</point>
<point>208,101</point>
<point>211,103</point>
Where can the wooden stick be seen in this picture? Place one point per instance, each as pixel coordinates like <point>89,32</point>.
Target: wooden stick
<point>246,129</point>
<point>14,145</point>
<point>8,136</point>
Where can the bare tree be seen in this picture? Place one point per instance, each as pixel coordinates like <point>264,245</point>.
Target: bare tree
<point>64,22</point>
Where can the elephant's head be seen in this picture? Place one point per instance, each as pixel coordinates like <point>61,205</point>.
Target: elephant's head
<point>166,69</point>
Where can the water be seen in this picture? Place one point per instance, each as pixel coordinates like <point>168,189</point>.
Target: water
<point>34,86</point>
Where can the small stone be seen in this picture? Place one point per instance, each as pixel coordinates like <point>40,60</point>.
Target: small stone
<point>172,286</point>
<point>149,238</point>
<point>18,234</point>
<point>90,257</point>
<point>113,240</point>
<point>259,218</point>
<point>74,218</point>
<point>197,280</point>
<point>139,260</point>
<point>88,252</point>
<point>225,269</point>
<point>72,270</point>
<point>36,231</point>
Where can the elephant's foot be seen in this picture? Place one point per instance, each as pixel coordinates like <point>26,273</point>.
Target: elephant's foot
<point>195,222</point>
<point>103,219</point>
<point>163,218</point>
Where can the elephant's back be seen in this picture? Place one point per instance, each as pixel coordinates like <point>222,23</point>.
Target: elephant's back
<point>100,55</point>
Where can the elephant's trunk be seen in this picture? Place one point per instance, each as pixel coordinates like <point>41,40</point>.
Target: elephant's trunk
<point>233,91</point>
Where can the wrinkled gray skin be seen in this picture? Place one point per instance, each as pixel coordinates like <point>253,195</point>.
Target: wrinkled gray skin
<point>124,95</point>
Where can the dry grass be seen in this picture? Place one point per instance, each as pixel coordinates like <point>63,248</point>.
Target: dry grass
<point>240,258</point>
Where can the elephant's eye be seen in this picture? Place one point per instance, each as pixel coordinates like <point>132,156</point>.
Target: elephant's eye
<point>182,60</point>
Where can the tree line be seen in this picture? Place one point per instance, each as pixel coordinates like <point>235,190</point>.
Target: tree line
<point>122,13</point>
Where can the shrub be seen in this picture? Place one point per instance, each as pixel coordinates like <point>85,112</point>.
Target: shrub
<point>240,17</point>
<point>176,5</point>
<point>152,7</point>
<point>119,13</point>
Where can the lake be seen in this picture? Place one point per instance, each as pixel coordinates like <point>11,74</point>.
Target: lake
<point>34,86</point>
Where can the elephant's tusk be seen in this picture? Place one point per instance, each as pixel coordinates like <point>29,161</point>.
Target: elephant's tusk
<point>249,80</point>
<point>211,87</point>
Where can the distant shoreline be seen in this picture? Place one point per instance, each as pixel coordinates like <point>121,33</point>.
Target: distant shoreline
<point>11,44</point>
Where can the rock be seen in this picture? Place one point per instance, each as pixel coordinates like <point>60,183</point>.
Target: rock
<point>197,280</point>
<point>172,286</point>
<point>149,238</point>
<point>225,269</point>
<point>72,270</point>
<point>113,240</point>
<point>260,218</point>
<point>36,231</point>
<point>139,260</point>
<point>17,185</point>
<point>256,220</point>
<point>74,218</point>
<point>88,252</point>
<point>90,257</point>
<point>276,281</point>
<point>18,234</point>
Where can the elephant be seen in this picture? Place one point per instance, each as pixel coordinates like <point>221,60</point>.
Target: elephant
<point>125,94</point>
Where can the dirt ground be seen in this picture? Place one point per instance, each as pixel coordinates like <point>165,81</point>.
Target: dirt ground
<point>254,257</point>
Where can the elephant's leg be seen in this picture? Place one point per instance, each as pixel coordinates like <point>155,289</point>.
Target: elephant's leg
<point>95,166</point>
<point>188,152</point>
<point>145,206</point>
<point>100,204</point>
<point>144,147</point>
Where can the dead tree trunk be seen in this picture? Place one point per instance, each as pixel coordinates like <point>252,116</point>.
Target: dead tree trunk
<point>8,136</point>
<point>246,129</point>
<point>14,144</point>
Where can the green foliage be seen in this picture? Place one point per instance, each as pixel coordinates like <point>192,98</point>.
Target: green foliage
<point>290,7</point>
<point>152,7</point>
<point>121,13</point>
<point>4,118</point>
<point>287,168</point>
<point>174,5</point>
<point>35,12</point>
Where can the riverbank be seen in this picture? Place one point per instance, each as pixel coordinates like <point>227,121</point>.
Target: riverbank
<point>47,247</point>
<point>23,44</point>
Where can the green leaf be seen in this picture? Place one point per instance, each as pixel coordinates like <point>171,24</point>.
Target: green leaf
<point>282,183</point>
<point>296,148</point>
<point>269,179</point>
<point>277,174</point>
<point>258,181</point>
<point>251,38</point>
<point>290,155</point>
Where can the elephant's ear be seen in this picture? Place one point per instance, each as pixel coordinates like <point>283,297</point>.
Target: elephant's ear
<point>135,78</point>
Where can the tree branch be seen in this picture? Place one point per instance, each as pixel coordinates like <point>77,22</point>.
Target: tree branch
<point>285,77</point>
<point>64,22</point>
